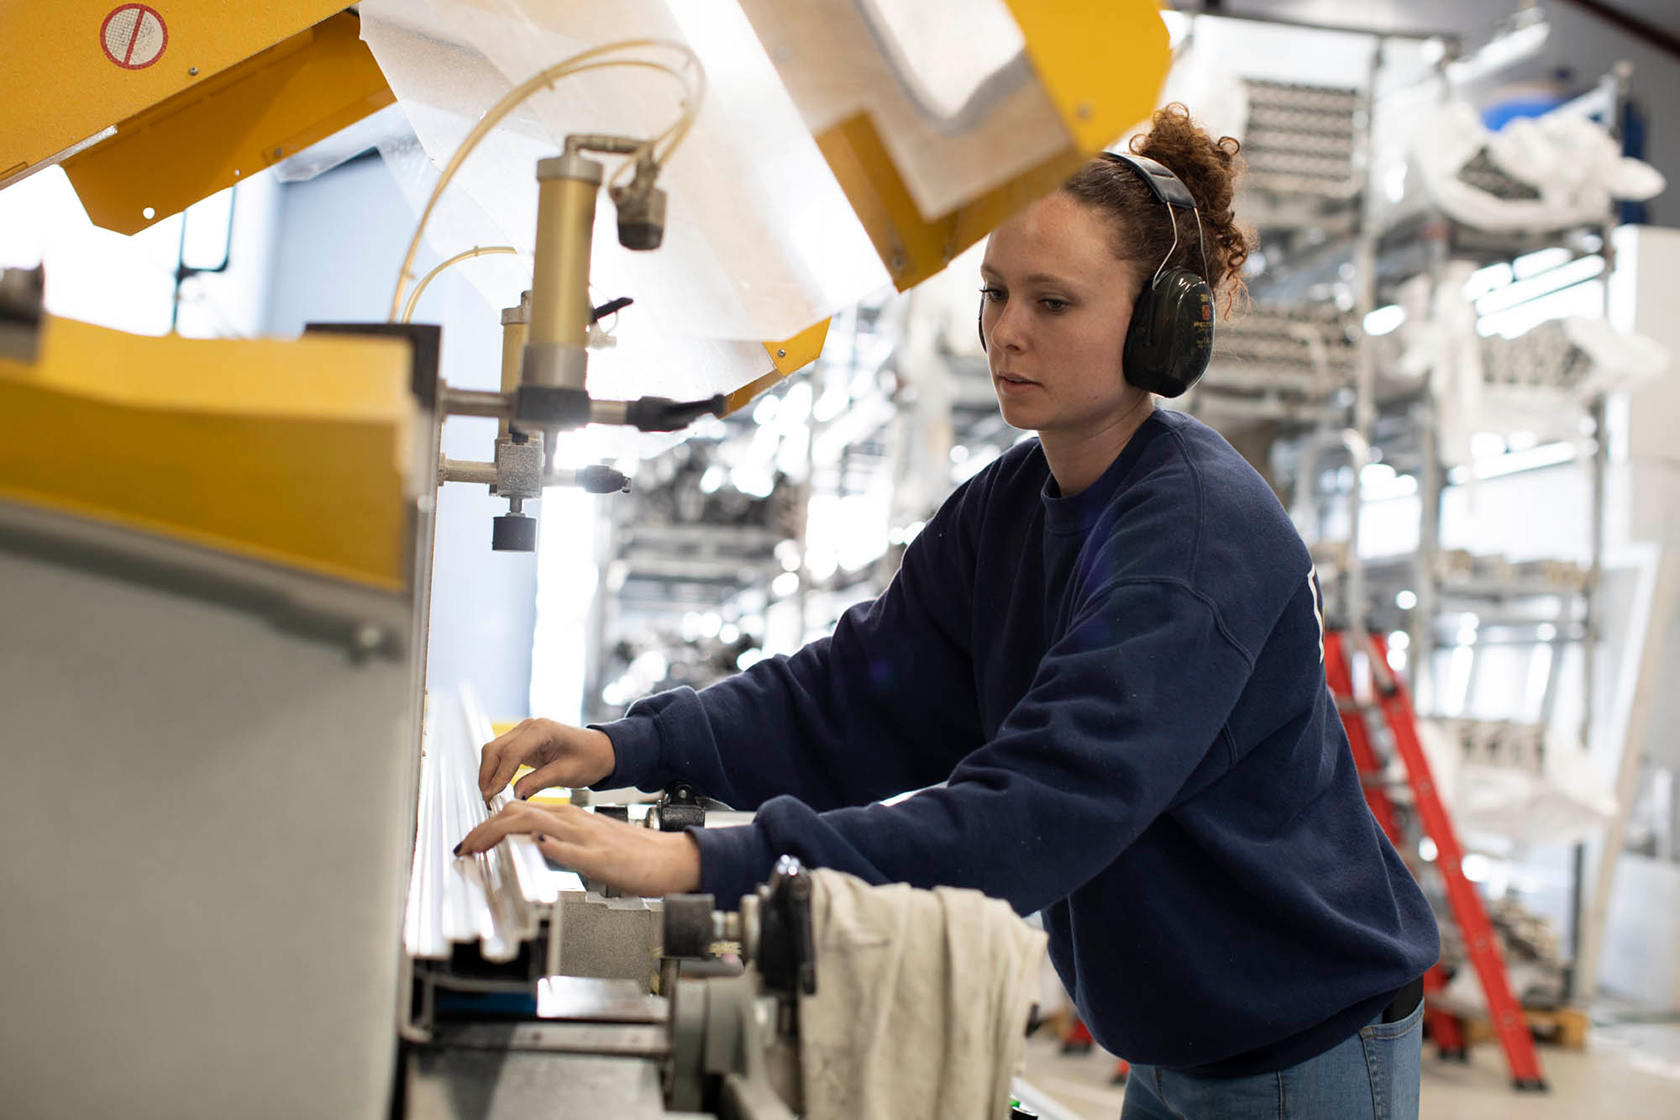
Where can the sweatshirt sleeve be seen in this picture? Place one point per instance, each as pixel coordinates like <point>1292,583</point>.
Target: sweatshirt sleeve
<point>1122,711</point>
<point>884,705</point>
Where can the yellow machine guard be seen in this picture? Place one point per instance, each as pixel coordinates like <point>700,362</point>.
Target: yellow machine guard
<point>293,452</point>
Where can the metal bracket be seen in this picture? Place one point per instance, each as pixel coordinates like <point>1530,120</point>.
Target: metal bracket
<point>519,467</point>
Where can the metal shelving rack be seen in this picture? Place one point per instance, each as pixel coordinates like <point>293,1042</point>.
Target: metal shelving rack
<point>1545,603</point>
<point>1299,377</point>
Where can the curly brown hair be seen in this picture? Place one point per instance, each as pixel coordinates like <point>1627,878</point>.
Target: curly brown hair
<point>1144,228</point>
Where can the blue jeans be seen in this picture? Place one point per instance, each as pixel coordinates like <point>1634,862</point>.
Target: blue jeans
<point>1373,1073</point>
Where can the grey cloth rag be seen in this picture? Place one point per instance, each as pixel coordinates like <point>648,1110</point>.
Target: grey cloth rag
<point>921,1005</point>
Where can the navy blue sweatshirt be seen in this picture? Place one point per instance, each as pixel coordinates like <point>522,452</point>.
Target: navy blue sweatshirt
<point>1123,692</point>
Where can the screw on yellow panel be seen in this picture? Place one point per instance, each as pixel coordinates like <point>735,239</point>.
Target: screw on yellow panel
<point>794,354</point>
<point>786,358</point>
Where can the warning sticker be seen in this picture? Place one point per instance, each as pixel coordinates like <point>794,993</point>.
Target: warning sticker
<point>133,36</point>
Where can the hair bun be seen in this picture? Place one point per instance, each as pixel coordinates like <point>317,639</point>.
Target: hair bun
<point>1209,168</point>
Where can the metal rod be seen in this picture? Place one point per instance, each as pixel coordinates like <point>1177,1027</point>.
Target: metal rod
<point>1645,31</point>
<point>1358,441</point>
<point>465,470</point>
<point>1431,484</point>
<point>515,330</point>
<point>479,473</point>
<point>473,402</point>
<point>1582,977</point>
<point>1219,11</point>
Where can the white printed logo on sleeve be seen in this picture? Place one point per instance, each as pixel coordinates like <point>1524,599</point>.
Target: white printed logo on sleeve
<point>1318,607</point>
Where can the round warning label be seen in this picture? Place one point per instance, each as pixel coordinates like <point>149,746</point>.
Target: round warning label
<point>133,36</point>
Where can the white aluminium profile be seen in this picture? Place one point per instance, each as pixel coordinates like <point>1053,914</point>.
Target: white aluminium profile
<point>493,897</point>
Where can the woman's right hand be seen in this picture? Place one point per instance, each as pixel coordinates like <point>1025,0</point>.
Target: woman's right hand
<point>559,755</point>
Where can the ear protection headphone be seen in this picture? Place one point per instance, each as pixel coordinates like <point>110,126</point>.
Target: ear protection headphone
<point>1170,337</point>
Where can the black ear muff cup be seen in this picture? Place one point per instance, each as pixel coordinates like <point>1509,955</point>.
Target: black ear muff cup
<point>1169,341</point>
<point>1170,338</point>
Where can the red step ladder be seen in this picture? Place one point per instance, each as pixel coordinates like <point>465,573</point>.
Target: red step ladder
<point>1396,706</point>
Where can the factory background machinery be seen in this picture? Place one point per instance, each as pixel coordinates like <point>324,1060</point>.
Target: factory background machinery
<point>246,567</point>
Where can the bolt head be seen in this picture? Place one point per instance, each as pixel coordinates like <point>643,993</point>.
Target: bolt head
<point>781,353</point>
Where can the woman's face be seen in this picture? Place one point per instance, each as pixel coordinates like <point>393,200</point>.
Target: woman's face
<point>1056,306</point>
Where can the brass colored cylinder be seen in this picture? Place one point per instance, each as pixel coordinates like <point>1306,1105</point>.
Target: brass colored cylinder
<point>515,328</point>
<point>560,286</point>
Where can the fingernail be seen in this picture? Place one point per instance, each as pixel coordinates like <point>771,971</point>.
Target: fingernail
<point>458,848</point>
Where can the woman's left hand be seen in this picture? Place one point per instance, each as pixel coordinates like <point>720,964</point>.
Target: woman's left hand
<point>634,859</point>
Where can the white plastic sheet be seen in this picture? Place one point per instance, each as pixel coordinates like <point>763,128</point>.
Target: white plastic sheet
<point>946,84</point>
<point>760,242</point>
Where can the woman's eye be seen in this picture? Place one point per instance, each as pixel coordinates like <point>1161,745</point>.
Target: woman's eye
<point>1053,304</point>
<point>993,294</point>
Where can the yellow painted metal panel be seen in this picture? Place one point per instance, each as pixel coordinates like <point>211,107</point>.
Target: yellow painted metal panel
<point>296,453</point>
<point>1102,62</point>
<point>205,139</point>
<point>787,358</point>
<point>793,354</point>
<point>60,86</point>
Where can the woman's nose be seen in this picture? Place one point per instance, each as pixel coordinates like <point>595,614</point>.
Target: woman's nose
<point>1007,329</point>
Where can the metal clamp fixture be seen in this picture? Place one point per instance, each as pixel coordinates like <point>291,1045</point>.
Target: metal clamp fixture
<point>545,340</point>
<point>772,927</point>
<point>739,1034</point>
<point>678,809</point>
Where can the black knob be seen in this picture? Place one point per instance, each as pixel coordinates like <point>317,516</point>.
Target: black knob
<point>597,479</point>
<point>688,925</point>
<point>514,532</point>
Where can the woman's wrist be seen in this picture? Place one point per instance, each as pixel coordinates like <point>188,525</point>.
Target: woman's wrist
<point>685,862</point>
<point>601,753</point>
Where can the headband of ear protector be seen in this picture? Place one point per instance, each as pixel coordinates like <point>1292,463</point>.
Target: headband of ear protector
<point>1170,337</point>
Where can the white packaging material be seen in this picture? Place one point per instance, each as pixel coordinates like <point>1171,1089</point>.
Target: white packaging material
<point>1621,359</point>
<point>1571,161</point>
<point>1566,801</point>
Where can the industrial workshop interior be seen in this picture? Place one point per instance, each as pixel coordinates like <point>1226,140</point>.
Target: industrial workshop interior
<point>908,559</point>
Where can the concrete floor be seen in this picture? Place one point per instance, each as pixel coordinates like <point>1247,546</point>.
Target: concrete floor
<point>1628,1071</point>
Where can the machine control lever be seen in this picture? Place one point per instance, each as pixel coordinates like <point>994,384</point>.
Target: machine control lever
<point>787,949</point>
<point>611,307</point>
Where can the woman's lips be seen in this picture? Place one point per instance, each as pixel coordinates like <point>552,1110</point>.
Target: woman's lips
<point>1009,383</point>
